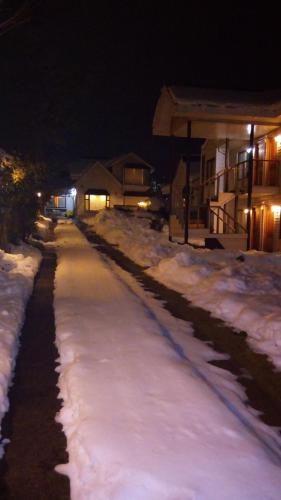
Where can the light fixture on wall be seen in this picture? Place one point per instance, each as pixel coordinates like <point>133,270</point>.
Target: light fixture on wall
<point>246,210</point>
<point>39,194</point>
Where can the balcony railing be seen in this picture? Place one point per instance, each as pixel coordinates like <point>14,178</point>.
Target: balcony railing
<point>235,179</point>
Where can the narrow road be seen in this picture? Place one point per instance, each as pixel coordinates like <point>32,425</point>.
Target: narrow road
<point>254,371</point>
<point>37,441</point>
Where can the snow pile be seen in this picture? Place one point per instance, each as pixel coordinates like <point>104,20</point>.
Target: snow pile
<point>140,423</point>
<point>133,235</point>
<point>245,293</point>
<point>17,271</point>
<point>44,228</point>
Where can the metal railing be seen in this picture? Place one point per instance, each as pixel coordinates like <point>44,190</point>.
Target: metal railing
<point>223,222</point>
<point>235,179</point>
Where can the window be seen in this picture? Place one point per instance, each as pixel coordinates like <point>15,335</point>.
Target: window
<point>58,202</point>
<point>134,176</point>
<point>94,202</point>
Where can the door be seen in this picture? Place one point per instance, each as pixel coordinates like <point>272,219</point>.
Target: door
<point>242,172</point>
<point>267,243</point>
<point>211,182</point>
<point>256,229</point>
<point>259,157</point>
<point>271,164</point>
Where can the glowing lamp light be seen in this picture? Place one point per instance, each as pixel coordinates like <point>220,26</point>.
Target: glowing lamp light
<point>73,192</point>
<point>38,194</point>
<point>278,139</point>
<point>276,209</point>
<point>246,210</point>
<point>249,128</point>
<point>142,204</point>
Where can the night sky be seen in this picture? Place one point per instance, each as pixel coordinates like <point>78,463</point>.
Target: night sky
<point>81,78</point>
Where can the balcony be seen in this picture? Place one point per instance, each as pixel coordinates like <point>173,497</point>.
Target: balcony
<point>266,177</point>
<point>266,180</point>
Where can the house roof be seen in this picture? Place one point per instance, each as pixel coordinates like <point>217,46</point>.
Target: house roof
<point>93,164</point>
<point>79,167</point>
<point>128,158</point>
<point>231,98</point>
<point>216,114</point>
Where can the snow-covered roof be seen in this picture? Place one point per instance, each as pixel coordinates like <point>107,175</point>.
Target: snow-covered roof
<point>264,103</point>
<point>215,113</point>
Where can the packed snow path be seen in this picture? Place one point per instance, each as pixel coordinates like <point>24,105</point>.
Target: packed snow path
<point>139,422</point>
<point>37,443</point>
<point>254,370</point>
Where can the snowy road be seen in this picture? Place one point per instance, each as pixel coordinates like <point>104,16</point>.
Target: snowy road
<point>140,422</point>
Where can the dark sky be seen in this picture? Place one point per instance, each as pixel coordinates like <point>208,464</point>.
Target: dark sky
<point>82,77</point>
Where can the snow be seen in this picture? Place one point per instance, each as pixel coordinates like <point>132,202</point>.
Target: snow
<point>43,227</point>
<point>17,271</point>
<point>244,293</point>
<point>141,421</point>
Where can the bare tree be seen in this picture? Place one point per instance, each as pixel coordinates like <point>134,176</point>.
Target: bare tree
<point>11,21</point>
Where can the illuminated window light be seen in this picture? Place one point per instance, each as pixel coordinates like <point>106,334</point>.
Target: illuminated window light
<point>278,139</point>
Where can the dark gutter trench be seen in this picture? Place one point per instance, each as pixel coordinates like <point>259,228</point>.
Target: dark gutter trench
<point>37,441</point>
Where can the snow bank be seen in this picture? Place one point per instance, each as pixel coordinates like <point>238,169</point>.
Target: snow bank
<point>246,294</point>
<point>139,422</point>
<point>17,271</point>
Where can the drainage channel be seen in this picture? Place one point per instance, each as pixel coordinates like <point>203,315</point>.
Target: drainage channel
<point>253,370</point>
<point>37,443</point>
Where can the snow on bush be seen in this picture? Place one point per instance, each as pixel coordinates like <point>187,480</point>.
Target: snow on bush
<point>245,293</point>
<point>17,271</point>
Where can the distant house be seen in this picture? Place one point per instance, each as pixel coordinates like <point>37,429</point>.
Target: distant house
<point>61,203</point>
<point>237,199</point>
<point>122,181</point>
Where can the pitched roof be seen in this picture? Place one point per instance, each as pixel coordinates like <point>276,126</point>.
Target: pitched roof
<point>126,158</point>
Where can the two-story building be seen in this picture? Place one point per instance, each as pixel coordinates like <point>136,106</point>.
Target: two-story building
<point>238,194</point>
<point>121,181</point>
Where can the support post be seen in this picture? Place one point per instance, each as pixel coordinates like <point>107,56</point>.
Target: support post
<point>187,194</point>
<point>187,185</point>
<point>250,186</point>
